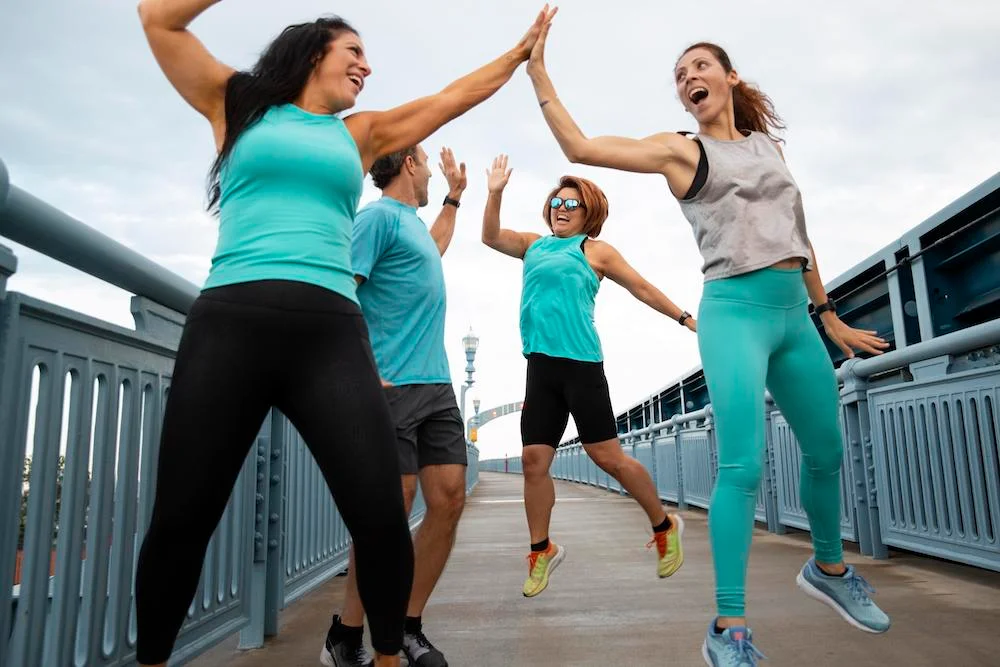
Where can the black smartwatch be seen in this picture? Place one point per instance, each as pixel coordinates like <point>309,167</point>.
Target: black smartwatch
<point>683,318</point>
<point>830,305</point>
<point>453,202</point>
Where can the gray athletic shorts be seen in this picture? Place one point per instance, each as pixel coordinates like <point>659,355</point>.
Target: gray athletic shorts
<point>429,426</point>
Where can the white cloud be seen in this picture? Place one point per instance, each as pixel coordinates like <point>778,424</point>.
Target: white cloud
<point>891,108</point>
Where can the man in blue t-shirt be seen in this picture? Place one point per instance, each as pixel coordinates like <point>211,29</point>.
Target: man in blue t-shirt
<point>397,263</point>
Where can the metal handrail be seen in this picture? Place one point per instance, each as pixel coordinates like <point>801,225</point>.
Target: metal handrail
<point>27,220</point>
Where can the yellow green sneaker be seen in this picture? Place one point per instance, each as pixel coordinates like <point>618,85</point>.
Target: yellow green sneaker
<point>669,549</point>
<point>540,566</point>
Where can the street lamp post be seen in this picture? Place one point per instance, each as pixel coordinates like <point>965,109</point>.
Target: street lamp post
<point>471,344</point>
<point>473,422</point>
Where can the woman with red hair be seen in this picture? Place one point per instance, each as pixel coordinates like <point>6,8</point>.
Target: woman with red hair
<point>562,274</point>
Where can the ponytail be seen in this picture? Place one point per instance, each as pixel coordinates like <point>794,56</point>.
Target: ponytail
<point>754,111</point>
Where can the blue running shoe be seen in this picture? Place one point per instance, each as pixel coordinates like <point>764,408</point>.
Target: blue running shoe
<point>730,648</point>
<point>848,595</point>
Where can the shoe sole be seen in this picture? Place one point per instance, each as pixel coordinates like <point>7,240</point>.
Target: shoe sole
<point>553,564</point>
<point>819,595</point>
<point>326,659</point>
<point>680,545</point>
<point>705,655</point>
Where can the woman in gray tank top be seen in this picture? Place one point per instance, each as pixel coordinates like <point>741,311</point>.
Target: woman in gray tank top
<point>760,272</point>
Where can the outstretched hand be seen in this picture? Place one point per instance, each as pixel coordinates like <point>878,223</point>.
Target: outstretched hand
<point>536,61</point>
<point>455,175</point>
<point>498,175</point>
<point>848,339</point>
<point>525,47</point>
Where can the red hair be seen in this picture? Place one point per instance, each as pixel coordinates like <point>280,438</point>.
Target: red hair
<point>595,204</point>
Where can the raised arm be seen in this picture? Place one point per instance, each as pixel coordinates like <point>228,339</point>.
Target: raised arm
<point>611,263</point>
<point>379,133</point>
<point>444,226</point>
<point>506,241</point>
<point>652,155</point>
<point>191,69</point>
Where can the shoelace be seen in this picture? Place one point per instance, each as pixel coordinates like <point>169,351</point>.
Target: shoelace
<point>532,559</point>
<point>744,652</point>
<point>422,640</point>
<point>660,540</point>
<point>859,589</point>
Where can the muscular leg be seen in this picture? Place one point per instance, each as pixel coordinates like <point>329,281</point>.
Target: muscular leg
<point>634,478</point>
<point>539,489</point>
<point>443,488</point>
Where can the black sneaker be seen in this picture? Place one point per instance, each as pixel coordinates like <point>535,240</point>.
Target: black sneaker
<point>344,649</point>
<point>420,652</point>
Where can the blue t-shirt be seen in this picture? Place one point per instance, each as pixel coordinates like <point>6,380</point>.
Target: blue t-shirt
<point>403,295</point>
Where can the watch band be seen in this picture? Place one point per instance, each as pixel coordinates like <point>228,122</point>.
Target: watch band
<point>830,305</point>
<point>453,202</point>
<point>683,318</point>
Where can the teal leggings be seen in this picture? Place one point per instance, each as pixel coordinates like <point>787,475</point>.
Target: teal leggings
<point>754,331</point>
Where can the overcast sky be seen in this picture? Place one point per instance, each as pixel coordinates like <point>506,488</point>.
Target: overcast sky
<point>892,110</point>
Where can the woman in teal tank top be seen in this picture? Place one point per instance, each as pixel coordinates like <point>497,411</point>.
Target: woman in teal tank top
<point>277,324</point>
<point>754,332</point>
<point>562,274</point>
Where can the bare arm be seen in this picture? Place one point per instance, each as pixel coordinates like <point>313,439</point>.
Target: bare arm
<point>611,263</point>
<point>654,154</point>
<point>196,75</point>
<point>444,226</point>
<point>506,241</point>
<point>379,133</point>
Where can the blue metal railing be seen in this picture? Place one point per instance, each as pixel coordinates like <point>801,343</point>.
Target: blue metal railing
<point>83,400</point>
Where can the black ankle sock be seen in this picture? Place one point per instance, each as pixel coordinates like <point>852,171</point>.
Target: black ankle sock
<point>346,631</point>
<point>413,624</point>
<point>719,630</point>
<point>830,574</point>
<point>663,526</point>
<point>541,546</point>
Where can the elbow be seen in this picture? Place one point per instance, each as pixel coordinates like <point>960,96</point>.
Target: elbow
<point>488,241</point>
<point>579,152</point>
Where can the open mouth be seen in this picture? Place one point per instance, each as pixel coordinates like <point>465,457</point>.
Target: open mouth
<point>357,81</point>
<point>562,218</point>
<point>698,95</point>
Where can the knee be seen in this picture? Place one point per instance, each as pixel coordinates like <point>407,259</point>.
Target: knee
<point>534,466</point>
<point>446,502</point>
<point>743,475</point>
<point>826,461</point>
<point>613,464</point>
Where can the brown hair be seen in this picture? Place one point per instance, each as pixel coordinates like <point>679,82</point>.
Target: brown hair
<point>753,109</point>
<point>595,204</point>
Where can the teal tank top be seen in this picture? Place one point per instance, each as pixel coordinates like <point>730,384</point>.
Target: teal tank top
<point>289,192</point>
<point>557,300</point>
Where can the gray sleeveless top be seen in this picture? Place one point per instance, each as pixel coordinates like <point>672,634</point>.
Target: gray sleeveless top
<point>748,214</point>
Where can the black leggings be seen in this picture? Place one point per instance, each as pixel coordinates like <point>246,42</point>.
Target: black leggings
<point>304,350</point>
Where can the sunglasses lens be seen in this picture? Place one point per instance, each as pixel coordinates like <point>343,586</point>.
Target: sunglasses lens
<point>555,202</point>
<point>571,204</point>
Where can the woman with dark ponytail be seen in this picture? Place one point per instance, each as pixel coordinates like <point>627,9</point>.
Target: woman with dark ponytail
<point>754,329</point>
<point>278,323</point>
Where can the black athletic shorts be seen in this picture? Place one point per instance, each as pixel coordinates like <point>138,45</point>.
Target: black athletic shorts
<point>429,428</point>
<point>557,388</point>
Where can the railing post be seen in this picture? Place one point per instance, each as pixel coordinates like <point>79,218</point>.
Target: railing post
<point>858,440</point>
<point>267,587</point>
<point>675,423</point>
<point>8,265</point>
<point>770,474</point>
